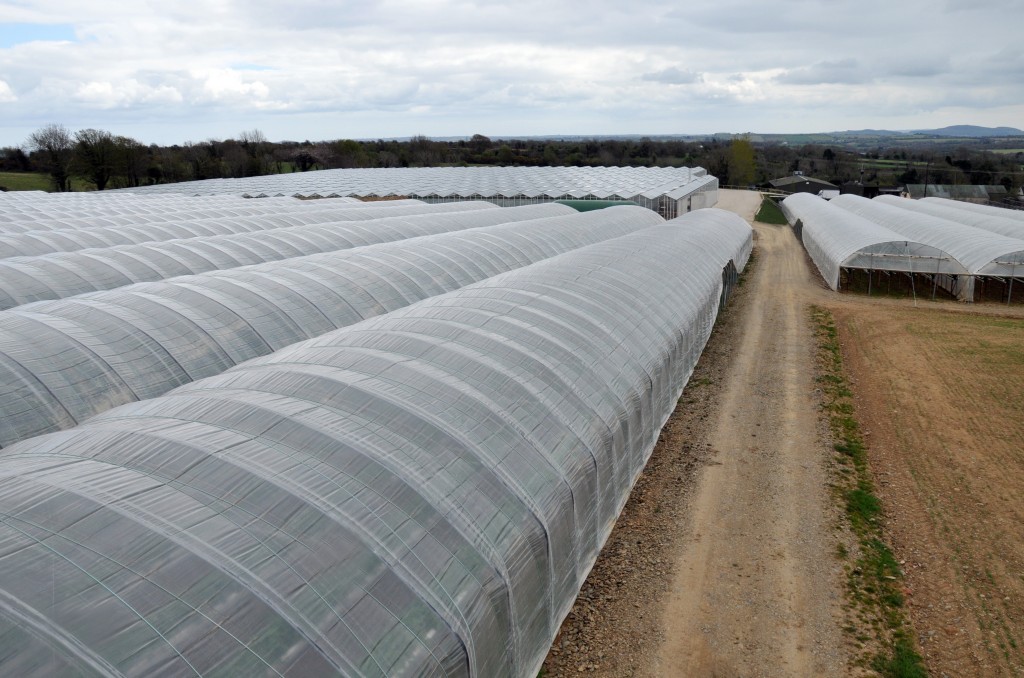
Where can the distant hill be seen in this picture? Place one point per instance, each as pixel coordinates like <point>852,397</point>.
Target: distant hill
<point>870,133</point>
<point>972,131</point>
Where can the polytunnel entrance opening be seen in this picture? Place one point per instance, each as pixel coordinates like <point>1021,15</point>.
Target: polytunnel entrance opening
<point>898,284</point>
<point>1007,290</point>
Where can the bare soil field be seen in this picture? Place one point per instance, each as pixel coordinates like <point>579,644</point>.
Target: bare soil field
<point>941,395</point>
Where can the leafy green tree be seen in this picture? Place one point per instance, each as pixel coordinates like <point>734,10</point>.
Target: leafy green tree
<point>741,162</point>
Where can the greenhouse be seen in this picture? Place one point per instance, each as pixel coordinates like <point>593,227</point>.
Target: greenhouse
<point>419,494</point>
<point>1002,212</point>
<point>992,259</point>
<point>67,360</point>
<point>36,214</point>
<point>54,221</point>
<point>56,276</point>
<point>1002,222</point>
<point>841,244</point>
<point>670,191</point>
<point>34,243</point>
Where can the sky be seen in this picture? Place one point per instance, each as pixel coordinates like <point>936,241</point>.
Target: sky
<point>168,72</point>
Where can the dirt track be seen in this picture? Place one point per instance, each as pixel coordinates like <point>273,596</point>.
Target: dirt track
<point>757,590</point>
<point>722,563</point>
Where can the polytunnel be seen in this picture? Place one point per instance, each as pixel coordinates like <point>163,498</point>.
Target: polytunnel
<point>34,243</point>
<point>38,214</point>
<point>990,210</point>
<point>838,240</point>
<point>69,359</point>
<point>55,276</point>
<point>173,212</point>
<point>420,494</point>
<point>996,223</point>
<point>982,253</point>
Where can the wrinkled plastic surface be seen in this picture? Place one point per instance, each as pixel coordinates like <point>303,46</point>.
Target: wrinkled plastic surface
<point>996,219</point>
<point>35,243</point>
<point>56,276</point>
<point>418,494</point>
<point>66,360</point>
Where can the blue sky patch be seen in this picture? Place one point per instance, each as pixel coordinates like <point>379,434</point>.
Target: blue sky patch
<point>16,34</point>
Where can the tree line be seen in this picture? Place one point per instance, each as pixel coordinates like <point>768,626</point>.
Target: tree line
<point>105,160</point>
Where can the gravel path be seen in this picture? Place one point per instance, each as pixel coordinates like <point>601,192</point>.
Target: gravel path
<point>722,562</point>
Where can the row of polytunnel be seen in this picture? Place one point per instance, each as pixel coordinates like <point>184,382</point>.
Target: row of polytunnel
<point>398,453</point>
<point>465,182</point>
<point>954,245</point>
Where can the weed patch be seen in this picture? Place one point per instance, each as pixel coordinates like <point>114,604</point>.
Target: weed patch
<point>874,577</point>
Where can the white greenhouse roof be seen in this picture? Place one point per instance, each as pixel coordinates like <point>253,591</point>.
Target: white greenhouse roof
<point>139,341</point>
<point>993,219</point>
<point>55,276</point>
<point>34,243</point>
<point>543,182</point>
<point>419,493</point>
<point>835,239</point>
<point>1003,212</point>
<point>981,252</point>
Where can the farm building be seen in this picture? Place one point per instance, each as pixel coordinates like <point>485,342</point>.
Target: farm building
<point>669,191</point>
<point>798,183</point>
<point>413,457</point>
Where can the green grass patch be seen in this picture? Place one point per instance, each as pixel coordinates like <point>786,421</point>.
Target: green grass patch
<point>25,181</point>
<point>874,577</point>
<point>770,213</point>
<point>34,181</point>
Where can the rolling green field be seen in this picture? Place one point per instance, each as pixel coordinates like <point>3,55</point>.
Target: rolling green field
<point>34,181</point>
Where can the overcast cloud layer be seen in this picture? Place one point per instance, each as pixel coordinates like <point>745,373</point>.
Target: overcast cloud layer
<point>167,72</point>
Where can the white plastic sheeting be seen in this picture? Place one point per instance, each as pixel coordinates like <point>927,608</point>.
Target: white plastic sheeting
<point>835,239</point>
<point>666,190</point>
<point>27,206</point>
<point>987,218</point>
<point>56,276</point>
<point>142,211</point>
<point>64,361</point>
<point>991,210</point>
<point>35,243</point>
<point>981,252</point>
<point>421,494</point>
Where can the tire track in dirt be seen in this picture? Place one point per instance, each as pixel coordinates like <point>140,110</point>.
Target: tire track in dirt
<point>758,590</point>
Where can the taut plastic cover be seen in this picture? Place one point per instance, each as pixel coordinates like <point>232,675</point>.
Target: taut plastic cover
<point>419,494</point>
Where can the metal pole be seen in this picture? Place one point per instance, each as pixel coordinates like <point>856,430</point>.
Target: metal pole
<point>1013,274</point>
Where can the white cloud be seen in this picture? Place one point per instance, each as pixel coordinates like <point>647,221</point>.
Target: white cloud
<point>324,69</point>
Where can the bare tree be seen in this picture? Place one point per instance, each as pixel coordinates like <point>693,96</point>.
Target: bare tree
<point>95,156</point>
<point>56,149</point>
<point>257,147</point>
<point>132,157</point>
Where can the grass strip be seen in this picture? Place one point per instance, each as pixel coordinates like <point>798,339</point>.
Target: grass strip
<point>770,213</point>
<point>874,578</point>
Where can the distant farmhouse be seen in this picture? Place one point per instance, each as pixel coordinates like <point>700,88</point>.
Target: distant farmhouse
<point>798,183</point>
